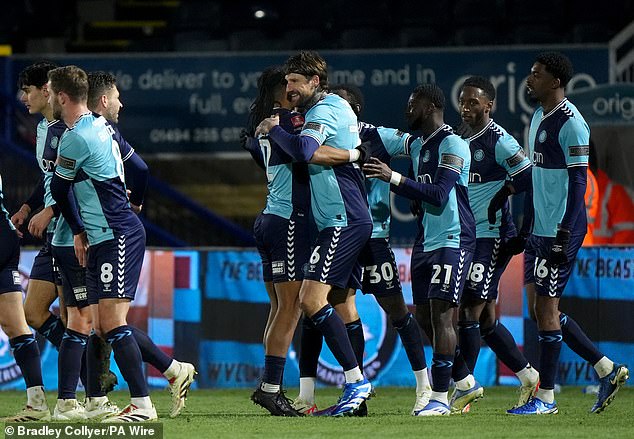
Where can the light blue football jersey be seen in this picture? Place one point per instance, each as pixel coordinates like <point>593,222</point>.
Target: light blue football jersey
<point>451,225</point>
<point>48,134</point>
<point>557,141</point>
<point>287,181</point>
<point>495,156</point>
<point>338,196</point>
<point>385,144</point>
<point>90,158</point>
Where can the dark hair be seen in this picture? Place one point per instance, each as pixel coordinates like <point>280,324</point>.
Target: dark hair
<point>431,92</point>
<point>558,65</point>
<point>355,96</point>
<point>483,84</point>
<point>308,63</point>
<point>71,80</point>
<point>269,82</point>
<point>35,74</point>
<point>99,83</point>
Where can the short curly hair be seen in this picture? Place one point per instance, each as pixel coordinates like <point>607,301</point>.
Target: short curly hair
<point>431,92</point>
<point>558,65</point>
<point>483,84</point>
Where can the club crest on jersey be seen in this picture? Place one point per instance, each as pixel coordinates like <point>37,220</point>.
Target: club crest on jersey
<point>54,142</point>
<point>426,156</point>
<point>542,136</point>
<point>478,155</point>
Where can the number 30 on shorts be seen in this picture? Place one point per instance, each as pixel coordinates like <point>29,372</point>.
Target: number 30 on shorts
<point>386,272</point>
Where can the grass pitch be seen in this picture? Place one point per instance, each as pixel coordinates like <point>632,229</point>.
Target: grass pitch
<point>230,413</point>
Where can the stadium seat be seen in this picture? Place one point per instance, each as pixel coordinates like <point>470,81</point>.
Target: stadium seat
<point>362,38</point>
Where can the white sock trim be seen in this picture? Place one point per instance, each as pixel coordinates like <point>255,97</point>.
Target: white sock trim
<point>440,397</point>
<point>604,367</point>
<point>307,388</point>
<point>353,375</point>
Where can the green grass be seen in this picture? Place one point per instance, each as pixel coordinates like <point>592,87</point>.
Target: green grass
<point>230,413</point>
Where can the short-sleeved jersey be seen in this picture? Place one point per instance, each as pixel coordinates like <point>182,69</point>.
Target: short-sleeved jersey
<point>90,157</point>
<point>385,144</point>
<point>63,236</point>
<point>5,222</point>
<point>48,134</point>
<point>338,196</point>
<point>495,156</point>
<point>451,225</point>
<point>288,185</point>
<point>557,141</point>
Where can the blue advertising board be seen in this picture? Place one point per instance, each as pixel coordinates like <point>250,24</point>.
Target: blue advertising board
<point>199,102</point>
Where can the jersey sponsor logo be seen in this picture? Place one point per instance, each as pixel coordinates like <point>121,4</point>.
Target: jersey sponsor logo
<point>578,151</point>
<point>47,165</point>
<point>424,178</point>
<point>426,156</point>
<point>54,142</point>
<point>297,120</point>
<point>452,160</point>
<point>65,162</point>
<point>316,127</point>
<point>474,177</point>
<point>542,136</point>
<point>538,157</point>
<point>516,159</point>
<point>478,155</point>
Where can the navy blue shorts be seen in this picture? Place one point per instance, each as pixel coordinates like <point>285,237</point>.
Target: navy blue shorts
<point>486,270</point>
<point>335,257</point>
<point>380,273</point>
<point>73,277</point>
<point>44,266</point>
<point>549,281</point>
<point>284,246</point>
<point>114,267</point>
<point>9,260</point>
<point>439,274</point>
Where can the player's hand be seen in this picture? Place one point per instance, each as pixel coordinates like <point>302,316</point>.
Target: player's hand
<point>375,168</point>
<point>365,152</point>
<point>40,221</point>
<point>497,203</point>
<point>80,242</point>
<point>136,209</point>
<point>515,245</point>
<point>267,125</point>
<point>416,207</point>
<point>19,218</point>
<point>559,248</point>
